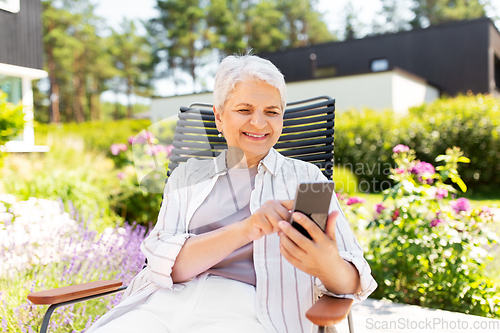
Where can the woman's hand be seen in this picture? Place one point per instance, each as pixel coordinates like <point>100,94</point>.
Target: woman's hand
<point>265,220</point>
<point>318,257</point>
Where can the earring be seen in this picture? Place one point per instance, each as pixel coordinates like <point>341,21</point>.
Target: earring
<point>220,135</point>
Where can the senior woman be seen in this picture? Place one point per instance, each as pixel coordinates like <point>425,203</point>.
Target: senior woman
<point>222,257</point>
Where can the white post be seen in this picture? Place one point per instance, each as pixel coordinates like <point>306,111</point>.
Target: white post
<point>29,132</point>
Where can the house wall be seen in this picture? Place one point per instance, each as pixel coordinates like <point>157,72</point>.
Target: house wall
<point>21,36</point>
<point>396,90</point>
<point>452,57</point>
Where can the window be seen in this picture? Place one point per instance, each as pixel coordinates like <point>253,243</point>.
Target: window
<point>12,86</point>
<point>10,5</point>
<point>497,72</point>
<point>326,71</point>
<point>379,65</point>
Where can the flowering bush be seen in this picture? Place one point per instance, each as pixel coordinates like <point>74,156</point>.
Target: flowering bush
<point>11,121</point>
<point>427,250</point>
<point>42,247</point>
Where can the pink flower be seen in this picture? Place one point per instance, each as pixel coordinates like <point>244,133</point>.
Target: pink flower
<point>159,149</point>
<point>116,148</point>
<point>354,200</point>
<point>486,209</point>
<point>143,137</point>
<point>461,205</point>
<point>379,208</point>
<point>400,170</point>
<point>395,215</point>
<point>441,193</point>
<point>423,169</point>
<point>400,149</point>
<point>120,175</point>
<point>436,222</point>
<point>131,139</point>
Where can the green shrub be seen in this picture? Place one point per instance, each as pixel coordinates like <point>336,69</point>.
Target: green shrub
<point>426,250</point>
<point>98,135</point>
<point>364,139</point>
<point>11,121</point>
<point>363,143</point>
<point>471,122</point>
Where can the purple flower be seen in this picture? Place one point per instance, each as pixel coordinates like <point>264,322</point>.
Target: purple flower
<point>400,149</point>
<point>436,222</point>
<point>120,175</point>
<point>354,200</point>
<point>116,148</point>
<point>461,205</point>
<point>423,169</point>
<point>379,208</point>
<point>441,193</point>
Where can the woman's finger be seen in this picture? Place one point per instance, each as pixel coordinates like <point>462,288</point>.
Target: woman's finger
<point>312,228</point>
<point>292,248</point>
<point>295,236</point>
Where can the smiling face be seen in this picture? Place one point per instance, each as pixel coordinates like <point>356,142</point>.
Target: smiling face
<point>252,120</point>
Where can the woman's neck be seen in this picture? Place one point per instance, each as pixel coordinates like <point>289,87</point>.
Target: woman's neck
<point>236,158</point>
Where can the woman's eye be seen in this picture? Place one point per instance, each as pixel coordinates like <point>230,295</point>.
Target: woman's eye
<point>273,113</point>
<point>243,110</point>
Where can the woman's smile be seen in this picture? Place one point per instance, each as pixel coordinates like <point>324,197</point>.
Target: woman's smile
<point>252,119</point>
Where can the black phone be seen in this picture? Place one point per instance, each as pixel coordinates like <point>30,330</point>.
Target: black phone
<point>313,200</point>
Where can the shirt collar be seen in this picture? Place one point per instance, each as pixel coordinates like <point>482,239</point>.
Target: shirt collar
<point>272,162</point>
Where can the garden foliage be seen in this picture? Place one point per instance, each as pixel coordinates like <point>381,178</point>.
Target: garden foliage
<point>43,247</point>
<point>364,139</point>
<point>11,121</point>
<point>427,250</point>
<point>96,135</point>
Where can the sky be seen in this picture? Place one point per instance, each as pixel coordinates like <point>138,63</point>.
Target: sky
<point>114,11</point>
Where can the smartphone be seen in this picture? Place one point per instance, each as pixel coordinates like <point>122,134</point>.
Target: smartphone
<point>313,200</point>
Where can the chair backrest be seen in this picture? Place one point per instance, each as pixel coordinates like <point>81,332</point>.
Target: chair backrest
<point>308,133</point>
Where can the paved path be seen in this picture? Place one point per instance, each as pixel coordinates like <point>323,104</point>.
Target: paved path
<point>374,316</point>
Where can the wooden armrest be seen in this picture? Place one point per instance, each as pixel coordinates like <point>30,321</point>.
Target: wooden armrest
<point>328,311</point>
<point>64,294</point>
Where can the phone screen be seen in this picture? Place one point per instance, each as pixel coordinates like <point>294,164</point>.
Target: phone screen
<point>313,200</point>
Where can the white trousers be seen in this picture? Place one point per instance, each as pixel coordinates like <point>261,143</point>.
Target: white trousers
<point>211,305</point>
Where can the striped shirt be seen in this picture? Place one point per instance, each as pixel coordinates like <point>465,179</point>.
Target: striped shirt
<point>284,293</point>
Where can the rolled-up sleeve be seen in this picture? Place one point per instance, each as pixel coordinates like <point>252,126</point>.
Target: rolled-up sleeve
<point>165,241</point>
<point>351,251</point>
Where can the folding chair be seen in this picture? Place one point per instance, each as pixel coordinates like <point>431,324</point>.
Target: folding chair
<point>308,135</point>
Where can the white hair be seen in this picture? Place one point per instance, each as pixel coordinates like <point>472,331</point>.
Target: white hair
<point>234,69</point>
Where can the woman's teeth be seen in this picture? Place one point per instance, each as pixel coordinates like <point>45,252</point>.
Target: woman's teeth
<point>255,136</point>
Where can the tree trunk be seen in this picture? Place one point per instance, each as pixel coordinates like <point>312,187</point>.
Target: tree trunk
<point>77,85</point>
<point>55,116</point>
<point>129,94</point>
<point>94,102</point>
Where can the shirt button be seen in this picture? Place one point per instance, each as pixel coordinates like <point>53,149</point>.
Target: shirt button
<point>263,303</point>
<point>261,265</point>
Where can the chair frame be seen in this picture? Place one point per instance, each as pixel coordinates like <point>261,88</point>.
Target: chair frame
<point>327,311</point>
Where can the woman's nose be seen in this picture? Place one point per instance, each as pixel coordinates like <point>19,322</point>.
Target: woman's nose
<point>258,120</point>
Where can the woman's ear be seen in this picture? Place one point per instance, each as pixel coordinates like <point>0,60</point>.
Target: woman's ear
<point>218,120</point>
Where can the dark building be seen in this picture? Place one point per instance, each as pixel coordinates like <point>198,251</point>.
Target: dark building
<point>21,34</point>
<point>21,61</point>
<point>454,57</point>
